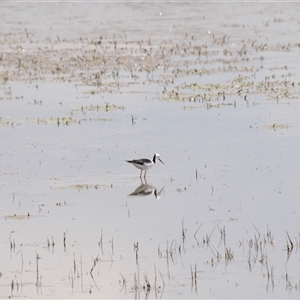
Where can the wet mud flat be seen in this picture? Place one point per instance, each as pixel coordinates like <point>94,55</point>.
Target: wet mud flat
<point>218,98</point>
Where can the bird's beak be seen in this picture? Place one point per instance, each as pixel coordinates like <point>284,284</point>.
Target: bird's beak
<point>161,161</point>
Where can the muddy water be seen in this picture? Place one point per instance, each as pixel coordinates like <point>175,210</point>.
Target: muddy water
<point>213,88</point>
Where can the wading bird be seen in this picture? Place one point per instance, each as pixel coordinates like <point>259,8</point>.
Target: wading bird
<point>144,164</point>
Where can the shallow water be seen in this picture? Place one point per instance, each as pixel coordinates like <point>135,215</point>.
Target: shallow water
<point>214,91</point>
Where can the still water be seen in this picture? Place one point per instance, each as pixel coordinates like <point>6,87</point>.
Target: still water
<point>212,87</point>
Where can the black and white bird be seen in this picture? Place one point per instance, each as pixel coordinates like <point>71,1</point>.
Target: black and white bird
<point>144,164</point>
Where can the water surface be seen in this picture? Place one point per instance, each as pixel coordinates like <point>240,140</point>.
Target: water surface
<point>212,87</point>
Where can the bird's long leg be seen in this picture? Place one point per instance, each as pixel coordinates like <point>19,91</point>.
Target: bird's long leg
<point>145,174</point>
<point>141,174</point>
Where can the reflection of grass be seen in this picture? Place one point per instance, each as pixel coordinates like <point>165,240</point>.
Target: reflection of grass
<point>59,121</point>
<point>80,186</point>
<point>273,126</point>
<point>18,217</point>
<point>107,107</point>
<point>277,126</point>
<point>192,107</point>
<point>6,122</point>
<point>53,120</point>
<point>63,121</point>
<point>10,173</point>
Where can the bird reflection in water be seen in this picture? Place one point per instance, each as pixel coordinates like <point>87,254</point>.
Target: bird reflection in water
<point>146,189</point>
